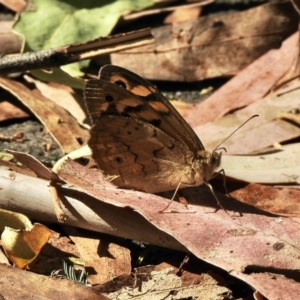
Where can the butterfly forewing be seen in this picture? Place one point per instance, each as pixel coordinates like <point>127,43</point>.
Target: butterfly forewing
<point>106,99</point>
<point>146,91</point>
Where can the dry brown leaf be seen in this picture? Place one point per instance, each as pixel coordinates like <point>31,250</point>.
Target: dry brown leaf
<point>273,284</point>
<point>158,9</point>
<point>56,92</point>
<point>163,283</point>
<point>277,200</point>
<point>197,279</point>
<point>249,85</point>
<point>103,258</point>
<point>64,128</point>
<point>259,133</point>
<point>281,167</point>
<point>213,46</point>
<point>17,168</point>
<point>10,107</point>
<point>9,42</point>
<point>15,5</point>
<point>19,284</point>
<point>34,165</point>
<point>232,243</point>
<point>9,111</point>
<point>183,14</point>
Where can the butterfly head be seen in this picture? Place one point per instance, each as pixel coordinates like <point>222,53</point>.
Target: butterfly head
<point>214,159</point>
<point>210,161</point>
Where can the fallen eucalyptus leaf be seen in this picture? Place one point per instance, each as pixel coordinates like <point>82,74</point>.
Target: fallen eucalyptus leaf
<point>282,167</point>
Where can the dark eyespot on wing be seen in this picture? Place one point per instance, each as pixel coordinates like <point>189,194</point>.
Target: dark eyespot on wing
<point>118,160</point>
<point>109,98</point>
<point>120,83</point>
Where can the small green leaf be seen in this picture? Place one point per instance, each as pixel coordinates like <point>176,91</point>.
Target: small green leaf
<point>59,76</point>
<point>50,24</point>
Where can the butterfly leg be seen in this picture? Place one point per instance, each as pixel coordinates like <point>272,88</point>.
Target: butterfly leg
<point>173,197</point>
<point>222,171</point>
<point>213,192</point>
<point>224,185</point>
<point>224,180</point>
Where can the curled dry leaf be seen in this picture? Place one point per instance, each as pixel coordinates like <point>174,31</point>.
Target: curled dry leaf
<point>64,128</point>
<point>34,165</point>
<point>21,240</point>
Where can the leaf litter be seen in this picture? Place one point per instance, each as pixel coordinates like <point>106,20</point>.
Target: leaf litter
<point>232,242</point>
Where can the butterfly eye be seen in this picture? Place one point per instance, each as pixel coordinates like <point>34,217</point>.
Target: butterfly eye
<point>109,98</point>
<point>215,159</point>
<point>121,84</point>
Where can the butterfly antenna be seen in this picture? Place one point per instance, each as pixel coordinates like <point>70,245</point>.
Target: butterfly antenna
<point>254,116</point>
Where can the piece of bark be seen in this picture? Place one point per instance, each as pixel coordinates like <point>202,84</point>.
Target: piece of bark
<point>84,211</point>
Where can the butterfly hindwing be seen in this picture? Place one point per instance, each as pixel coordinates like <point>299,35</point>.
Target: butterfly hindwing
<point>141,155</point>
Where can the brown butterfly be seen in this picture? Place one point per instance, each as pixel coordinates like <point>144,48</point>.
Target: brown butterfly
<point>140,137</point>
